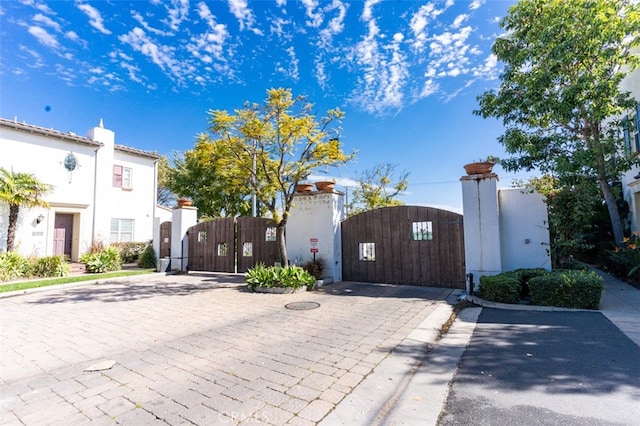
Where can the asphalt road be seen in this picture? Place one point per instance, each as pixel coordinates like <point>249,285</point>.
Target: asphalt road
<point>546,368</point>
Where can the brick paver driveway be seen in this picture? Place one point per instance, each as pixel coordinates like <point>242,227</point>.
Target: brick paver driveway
<point>195,348</point>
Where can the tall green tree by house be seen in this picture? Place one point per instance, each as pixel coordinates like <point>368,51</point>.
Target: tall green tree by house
<point>197,175</point>
<point>378,187</point>
<point>559,97</point>
<point>20,190</point>
<point>271,147</point>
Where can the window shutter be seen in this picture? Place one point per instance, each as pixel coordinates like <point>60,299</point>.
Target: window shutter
<point>117,176</point>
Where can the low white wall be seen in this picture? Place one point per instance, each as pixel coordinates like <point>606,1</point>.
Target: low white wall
<point>524,229</point>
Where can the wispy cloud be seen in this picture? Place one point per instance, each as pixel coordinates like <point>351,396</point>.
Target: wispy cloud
<point>95,18</point>
<point>161,55</point>
<point>44,37</point>
<point>45,20</point>
<point>291,67</point>
<point>178,11</point>
<point>209,46</point>
<point>383,66</point>
<point>246,19</point>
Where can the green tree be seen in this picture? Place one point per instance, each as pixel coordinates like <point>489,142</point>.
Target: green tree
<point>559,97</point>
<point>378,187</point>
<point>573,205</point>
<point>20,190</point>
<point>272,147</point>
<point>197,174</point>
<point>165,195</point>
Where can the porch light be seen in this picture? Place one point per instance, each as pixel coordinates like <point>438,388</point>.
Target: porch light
<point>40,218</point>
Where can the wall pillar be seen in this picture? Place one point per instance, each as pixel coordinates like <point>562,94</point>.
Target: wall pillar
<point>183,219</point>
<point>315,224</point>
<point>481,225</point>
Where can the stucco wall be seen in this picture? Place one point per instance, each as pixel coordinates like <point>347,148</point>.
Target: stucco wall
<point>524,229</point>
<point>317,215</point>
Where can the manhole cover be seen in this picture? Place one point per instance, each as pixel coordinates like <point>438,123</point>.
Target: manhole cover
<point>301,306</point>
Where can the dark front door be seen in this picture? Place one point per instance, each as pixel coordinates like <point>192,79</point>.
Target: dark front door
<point>62,234</point>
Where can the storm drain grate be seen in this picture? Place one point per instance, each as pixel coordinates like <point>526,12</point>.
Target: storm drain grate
<point>301,306</point>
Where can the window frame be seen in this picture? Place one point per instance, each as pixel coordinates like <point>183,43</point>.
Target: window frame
<point>118,232</point>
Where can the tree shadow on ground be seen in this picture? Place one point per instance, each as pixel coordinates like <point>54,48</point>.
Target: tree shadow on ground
<point>561,352</point>
<point>136,288</point>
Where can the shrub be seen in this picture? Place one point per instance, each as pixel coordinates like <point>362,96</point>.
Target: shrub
<point>106,260</point>
<point>568,289</point>
<point>315,267</point>
<point>503,288</point>
<point>147,258</point>
<point>13,265</point>
<point>275,276</point>
<point>524,275</point>
<point>51,266</point>
<point>130,252</point>
<point>625,261</point>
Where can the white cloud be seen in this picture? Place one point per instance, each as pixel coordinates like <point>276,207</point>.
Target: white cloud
<point>95,18</point>
<point>138,17</point>
<point>178,12</point>
<point>161,55</point>
<point>44,37</point>
<point>291,69</point>
<point>419,22</point>
<point>460,19</point>
<point>367,10</point>
<point>240,9</point>
<point>45,20</point>
<point>475,4</point>
<point>210,44</point>
<point>314,16</point>
<point>384,69</point>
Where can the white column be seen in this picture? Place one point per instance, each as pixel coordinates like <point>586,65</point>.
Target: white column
<point>183,219</point>
<point>315,224</point>
<point>103,182</point>
<point>481,225</point>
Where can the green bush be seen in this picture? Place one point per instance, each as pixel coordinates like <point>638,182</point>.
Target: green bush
<point>503,288</point>
<point>13,265</point>
<point>130,252</point>
<point>275,276</point>
<point>105,260</point>
<point>567,289</point>
<point>524,275</point>
<point>51,266</point>
<point>147,258</point>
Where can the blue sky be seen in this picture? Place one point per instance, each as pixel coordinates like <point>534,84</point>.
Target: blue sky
<point>407,74</point>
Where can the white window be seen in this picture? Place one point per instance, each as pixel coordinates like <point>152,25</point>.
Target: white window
<point>270,233</point>
<point>631,130</point>
<point>422,231</point>
<point>121,230</point>
<point>122,177</point>
<point>367,252</point>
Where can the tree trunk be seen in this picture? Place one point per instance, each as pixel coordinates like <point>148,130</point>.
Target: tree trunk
<point>282,243</point>
<point>610,201</point>
<point>14,209</point>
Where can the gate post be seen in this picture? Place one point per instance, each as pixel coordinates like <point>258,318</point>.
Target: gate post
<point>481,225</point>
<point>314,229</point>
<point>183,218</point>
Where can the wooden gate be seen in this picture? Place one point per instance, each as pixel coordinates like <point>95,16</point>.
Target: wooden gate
<point>231,244</point>
<point>165,240</point>
<point>404,245</point>
<point>212,246</point>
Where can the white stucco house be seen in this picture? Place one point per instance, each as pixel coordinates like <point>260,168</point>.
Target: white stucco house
<point>103,192</point>
<point>631,179</point>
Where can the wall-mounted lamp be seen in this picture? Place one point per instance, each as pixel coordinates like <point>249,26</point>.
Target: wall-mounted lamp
<point>40,218</point>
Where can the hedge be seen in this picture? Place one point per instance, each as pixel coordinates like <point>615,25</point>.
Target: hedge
<point>503,288</point>
<point>567,289</point>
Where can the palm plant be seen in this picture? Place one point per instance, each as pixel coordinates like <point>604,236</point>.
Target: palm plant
<point>20,190</point>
